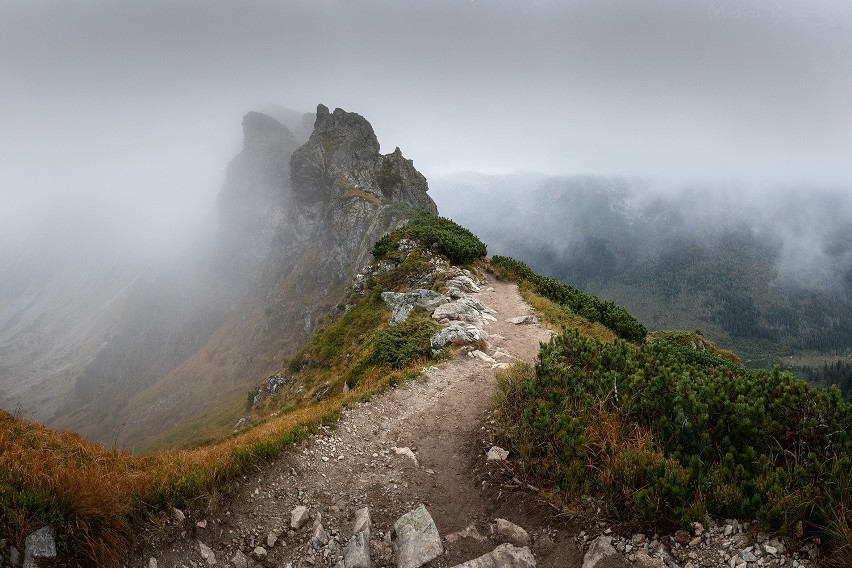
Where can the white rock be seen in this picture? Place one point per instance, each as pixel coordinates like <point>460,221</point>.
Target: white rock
<point>239,560</point>
<point>363,522</point>
<point>207,554</point>
<point>298,517</point>
<point>152,562</point>
<point>600,550</point>
<point>406,451</point>
<point>418,541</point>
<point>496,453</point>
<point>39,544</point>
<point>483,357</point>
<point>504,556</point>
<point>259,553</point>
<point>508,531</point>
<point>523,320</point>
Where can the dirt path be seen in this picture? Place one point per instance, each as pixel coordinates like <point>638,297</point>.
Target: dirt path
<point>441,418</point>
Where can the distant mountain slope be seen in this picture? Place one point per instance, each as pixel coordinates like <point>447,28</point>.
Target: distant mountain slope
<point>769,278</point>
<point>122,351</point>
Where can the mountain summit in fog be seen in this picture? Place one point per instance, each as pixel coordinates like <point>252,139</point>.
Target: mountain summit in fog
<point>138,350</point>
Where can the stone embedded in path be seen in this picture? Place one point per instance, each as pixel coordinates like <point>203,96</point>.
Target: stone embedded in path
<point>356,554</point>
<point>363,522</point>
<point>523,320</point>
<point>508,531</point>
<point>602,553</point>
<point>298,517</point>
<point>496,453</point>
<point>418,541</point>
<point>259,553</point>
<point>504,556</point>
<point>469,531</point>
<point>207,553</point>
<point>39,544</point>
<point>239,559</point>
<point>320,537</point>
<point>406,451</point>
<point>476,353</point>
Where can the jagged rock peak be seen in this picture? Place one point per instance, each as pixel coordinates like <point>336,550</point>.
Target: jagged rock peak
<point>342,160</point>
<point>261,131</point>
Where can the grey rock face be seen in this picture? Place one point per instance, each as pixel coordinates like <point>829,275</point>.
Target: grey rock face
<point>40,544</point>
<point>418,541</point>
<point>600,551</point>
<point>402,303</point>
<point>504,556</point>
<point>456,334</point>
<point>356,554</point>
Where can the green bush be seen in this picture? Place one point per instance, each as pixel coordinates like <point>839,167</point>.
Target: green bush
<point>442,235</point>
<point>662,430</point>
<point>590,307</point>
<point>400,345</point>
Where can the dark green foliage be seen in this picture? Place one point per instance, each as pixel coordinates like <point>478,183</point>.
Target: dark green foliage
<point>838,373</point>
<point>696,432</point>
<point>590,307</point>
<point>401,345</point>
<point>442,235</point>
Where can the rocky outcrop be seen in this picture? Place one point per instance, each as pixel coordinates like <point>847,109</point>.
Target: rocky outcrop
<point>295,225</point>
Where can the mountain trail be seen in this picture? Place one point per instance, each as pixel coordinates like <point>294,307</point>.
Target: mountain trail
<point>422,442</point>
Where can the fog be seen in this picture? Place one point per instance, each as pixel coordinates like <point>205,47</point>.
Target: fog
<point>129,112</point>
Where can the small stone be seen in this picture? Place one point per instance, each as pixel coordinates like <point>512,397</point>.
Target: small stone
<point>298,517</point>
<point>512,533</point>
<point>496,453</point>
<point>152,562</point>
<point>259,553</point>
<point>239,560</point>
<point>748,556</point>
<point>697,529</point>
<point>769,549</point>
<point>178,516</point>
<point>320,537</point>
<point>469,531</point>
<point>523,320</point>
<point>207,554</point>
<point>271,539</point>
<point>39,544</point>
<point>363,522</point>
<point>695,542</point>
<point>406,451</point>
<point>682,537</point>
<point>202,524</point>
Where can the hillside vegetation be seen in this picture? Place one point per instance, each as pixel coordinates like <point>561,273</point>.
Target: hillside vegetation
<point>670,430</point>
<point>95,497</point>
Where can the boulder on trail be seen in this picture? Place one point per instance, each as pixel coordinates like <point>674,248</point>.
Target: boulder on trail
<point>417,539</point>
<point>504,556</point>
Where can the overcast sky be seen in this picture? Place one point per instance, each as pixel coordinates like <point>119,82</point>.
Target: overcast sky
<point>131,103</point>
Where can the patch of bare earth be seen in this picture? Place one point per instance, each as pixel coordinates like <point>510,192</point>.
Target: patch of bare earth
<point>442,418</point>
